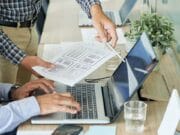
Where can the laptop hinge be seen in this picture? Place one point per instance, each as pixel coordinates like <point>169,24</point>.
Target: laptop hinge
<point>107,102</point>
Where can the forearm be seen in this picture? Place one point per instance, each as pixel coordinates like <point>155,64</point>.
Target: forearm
<point>96,10</point>
<point>86,5</point>
<point>9,50</point>
<point>14,113</point>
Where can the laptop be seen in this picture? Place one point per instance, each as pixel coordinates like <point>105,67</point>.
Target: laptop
<point>118,17</point>
<point>102,104</point>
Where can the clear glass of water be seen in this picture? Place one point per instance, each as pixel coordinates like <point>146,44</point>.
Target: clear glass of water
<point>135,116</point>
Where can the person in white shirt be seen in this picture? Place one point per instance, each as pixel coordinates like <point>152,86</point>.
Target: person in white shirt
<point>25,106</point>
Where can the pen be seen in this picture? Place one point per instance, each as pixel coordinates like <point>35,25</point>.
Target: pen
<point>112,49</point>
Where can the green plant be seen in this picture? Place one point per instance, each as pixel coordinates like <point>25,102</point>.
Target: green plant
<point>158,28</point>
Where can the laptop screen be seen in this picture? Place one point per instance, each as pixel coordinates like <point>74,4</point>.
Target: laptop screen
<point>130,74</point>
<point>126,9</point>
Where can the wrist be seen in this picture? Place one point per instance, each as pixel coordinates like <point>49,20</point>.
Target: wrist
<point>12,92</point>
<point>24,61</point>
<point>39,101</point>
<point>96,9</point>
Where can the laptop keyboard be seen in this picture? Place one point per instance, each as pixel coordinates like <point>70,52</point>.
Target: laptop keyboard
<point>85,95</point>
<point>110,14</point>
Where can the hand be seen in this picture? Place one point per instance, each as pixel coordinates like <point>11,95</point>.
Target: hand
<point>105,27</point>
<point>55,102</point>
<point>29,61</point>
<point>24,91</point>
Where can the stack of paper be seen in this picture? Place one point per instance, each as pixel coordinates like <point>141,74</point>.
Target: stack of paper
<point>75,61</point>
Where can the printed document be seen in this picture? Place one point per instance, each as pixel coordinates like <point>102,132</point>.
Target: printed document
<point>76,62</point>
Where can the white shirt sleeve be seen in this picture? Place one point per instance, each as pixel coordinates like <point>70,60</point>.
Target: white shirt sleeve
<point>16,112</point>
<point>4,90</point>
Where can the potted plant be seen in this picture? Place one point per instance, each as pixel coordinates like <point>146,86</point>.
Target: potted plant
<point>158,28</point>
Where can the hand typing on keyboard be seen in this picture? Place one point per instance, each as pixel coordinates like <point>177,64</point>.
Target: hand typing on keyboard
<point>85,95</point>
<point>55,102</point>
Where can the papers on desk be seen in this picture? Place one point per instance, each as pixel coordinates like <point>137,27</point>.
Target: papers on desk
<point>88,35</point>
<point>75,61</point>
<point>171,116</point>
<point>101,130</point>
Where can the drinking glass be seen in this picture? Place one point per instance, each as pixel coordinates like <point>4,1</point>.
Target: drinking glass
<point>135,116</point>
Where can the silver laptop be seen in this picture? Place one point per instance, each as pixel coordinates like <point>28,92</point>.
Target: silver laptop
<point>103,104</point>
<point>118,17</point>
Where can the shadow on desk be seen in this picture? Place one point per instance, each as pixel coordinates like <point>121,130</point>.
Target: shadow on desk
<point>160,83</point>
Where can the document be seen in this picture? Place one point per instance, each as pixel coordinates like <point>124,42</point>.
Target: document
<point>76,62</point>
<point>171,116</point>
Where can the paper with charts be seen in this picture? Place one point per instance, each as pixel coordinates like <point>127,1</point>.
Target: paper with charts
<point>76,61</point>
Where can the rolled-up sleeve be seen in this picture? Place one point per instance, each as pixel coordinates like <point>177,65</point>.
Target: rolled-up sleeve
<point>14,113</point>
<point>9,50</point>
<point>86,5</point>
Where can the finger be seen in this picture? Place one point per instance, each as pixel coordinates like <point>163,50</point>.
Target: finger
<point>113,34</point>
<point>67,109</point>
<point>48,65</point>
<point>54,92</point>
<point>37,85</point>
<point>45,63</point>
<point>109,38</point>
<point>48,83</point>
<point>66,94</point>
<point>67,101</point>
<point>45,88</point>
<point>101,32</point>
<point>34,87</point>
<point>98,38</point>
<point>70,102</point>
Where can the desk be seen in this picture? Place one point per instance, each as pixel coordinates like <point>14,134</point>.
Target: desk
<point>62,20</point>
<point>154,116</point>
<point>62,25</point>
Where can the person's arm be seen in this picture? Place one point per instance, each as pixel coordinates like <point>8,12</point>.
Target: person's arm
<point>14,113</point>
<point>9,50</point>
<point>87,4</point>
<point>105,27</point>
<point>17,56</point>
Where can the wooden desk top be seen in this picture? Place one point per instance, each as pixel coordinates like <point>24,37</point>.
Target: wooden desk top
<point>155,113</point>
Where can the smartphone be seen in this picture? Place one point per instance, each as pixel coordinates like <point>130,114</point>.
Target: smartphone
<point>67,130</point>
